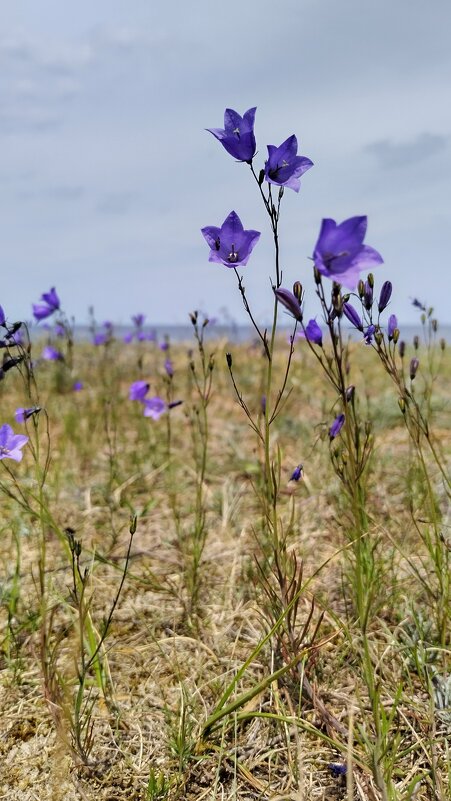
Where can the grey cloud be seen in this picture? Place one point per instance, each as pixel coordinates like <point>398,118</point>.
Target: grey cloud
<point>62,193</point>
<point>118,203</point>
<point>400,154</point>
<point>38,120</point>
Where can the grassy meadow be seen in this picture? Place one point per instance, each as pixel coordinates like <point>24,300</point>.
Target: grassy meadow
<point>182,619</point>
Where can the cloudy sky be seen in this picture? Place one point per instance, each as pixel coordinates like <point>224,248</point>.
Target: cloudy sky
<point>107,173</point>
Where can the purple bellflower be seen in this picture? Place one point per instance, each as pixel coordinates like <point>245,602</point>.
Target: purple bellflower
<point>138,320</point>
<point>290,302</point>
<point>11,443</point>
<point>51,303</point>
<point>100,338</point>
<point>127,338</point>
<point>340,253</point>
<point>154,407</point>
<point>297,473</point>
<point>77,386</point>
<point>237,136</point>
<point>138,390</point>
<point>336,426</point>
<point>21,414</point>
<point>313,333</point>
<point>284,167</point>
<point>369,334</point>
<point>51,354</point>
<point>230,245</point>
<point>2,316</point>
<point>337,769</point>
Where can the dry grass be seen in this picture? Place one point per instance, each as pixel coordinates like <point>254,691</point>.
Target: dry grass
<point>168,669</point>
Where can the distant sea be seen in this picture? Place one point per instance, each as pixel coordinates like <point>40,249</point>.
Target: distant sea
<point>239,333</point>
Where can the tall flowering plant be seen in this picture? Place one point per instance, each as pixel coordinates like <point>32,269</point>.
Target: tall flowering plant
<point>340,256</point>
<point>231,245</point>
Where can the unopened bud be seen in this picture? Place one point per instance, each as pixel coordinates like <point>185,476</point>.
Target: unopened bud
<point>317,276</point>
<point>402,405</point>
<point>345,298</point>
<point>370,280</point>
<point>378,336</point>
<point>423,318</point>
<point>281,190</point>
<point>402,348</point>
<point>442,343</point>
<point>416,341</point>
<point>414,364</point>
<point>193,317</point>
<point>297,290</point>
<point>349,394</point>
<point>368,427</point>
<point>261,177</point>
<point>229,360</point>
<point>361,288</point>
<point>395,338</point>
<point>434,325</point>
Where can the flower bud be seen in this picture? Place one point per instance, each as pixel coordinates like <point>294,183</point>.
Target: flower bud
<point>261,177</point>
<point>361,288</point>
<point>297,290</point>
<point>193,317</point>
<point>8,364</point>
<point>402,348</point>
<point>317,276</point>
<point>336,426</point>
<point>384,296</point>
<point>402,405</point>
<point>434,325</point>
<point>416,341</point>
<point>368,296</point>
<point>423,318</point>
<point>414,364</point>
<point>370,280</point>
<point>229,360</point>
<point>392,326</point>
<point>378,337</point>
<point>352,315</point>
<point>442,343</point>
<point>349,394</point>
